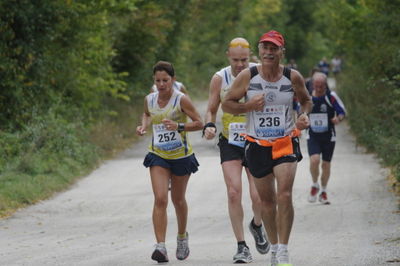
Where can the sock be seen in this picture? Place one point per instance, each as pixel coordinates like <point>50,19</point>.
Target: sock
<point>274,248</point>
<point>254,225</point>
<point>315,185</point>
<point>282,246</point>
<point>182,236</point>
<point>161,244</point>
<point>323,189</point>
<point>242,243</point>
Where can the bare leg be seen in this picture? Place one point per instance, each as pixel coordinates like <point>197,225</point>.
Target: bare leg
<point>285,174</point>
<point>159,181</point>
<point>233,179</point>
<point>326,172</point>
<point>178,192</point>
<point>266,190</point>
<point>255,199</point>
<point>314,167</point>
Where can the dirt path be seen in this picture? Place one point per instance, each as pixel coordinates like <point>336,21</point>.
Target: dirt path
<point>105,219</point>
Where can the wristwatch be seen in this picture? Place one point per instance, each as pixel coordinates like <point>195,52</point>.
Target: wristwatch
<point>181,127</point>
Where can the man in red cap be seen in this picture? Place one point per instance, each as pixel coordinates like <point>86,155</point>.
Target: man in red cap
<point>272,147</point>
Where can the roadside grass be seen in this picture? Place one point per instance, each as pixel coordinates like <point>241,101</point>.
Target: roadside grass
<point>52,153</point>
<point>375,123</point>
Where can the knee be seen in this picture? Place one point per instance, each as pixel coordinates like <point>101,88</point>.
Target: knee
<point>234,195</point>
<point>285,198</point>
<point>268,203</point>
<point>161,202</point>
<point>179,201</point>
<point>255,199</point>
<point>314,160</point>
<point>326,165</point>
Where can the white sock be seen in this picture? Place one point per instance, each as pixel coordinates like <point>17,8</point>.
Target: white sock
<point>274,248</point>
<point>282,247</point>
<point>323,189</point>
<point>315,185</point>
<point>161,244</point>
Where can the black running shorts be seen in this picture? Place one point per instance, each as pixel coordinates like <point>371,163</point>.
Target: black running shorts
<point>229,152</point>
<point>259,158</point>
<point>322,146</point>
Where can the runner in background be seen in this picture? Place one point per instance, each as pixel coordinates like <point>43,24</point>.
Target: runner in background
<point>336,64</point>
<point>177,85</point>
<point>328,111</point>
<point>324,66</point>
<point>292,64</point>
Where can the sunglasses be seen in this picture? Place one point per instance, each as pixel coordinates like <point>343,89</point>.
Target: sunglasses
<point>236,44</point>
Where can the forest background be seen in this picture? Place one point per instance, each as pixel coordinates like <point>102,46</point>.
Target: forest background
<point>73,74</point>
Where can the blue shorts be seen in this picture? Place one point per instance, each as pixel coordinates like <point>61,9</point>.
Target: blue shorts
<point>319,145</point>
<point>230,152</point>
<point>178,167</point>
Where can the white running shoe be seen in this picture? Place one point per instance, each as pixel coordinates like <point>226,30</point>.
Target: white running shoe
<point>182,248</point>
<point>274,259</point>
<point>283,257</point>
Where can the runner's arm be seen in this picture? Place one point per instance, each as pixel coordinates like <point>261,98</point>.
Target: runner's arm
<point>189,109</point>
<point>146,120</point>
<point>304,99</point>
<point>339,108</point>
<point>237,91</point>
<point>214,100</point>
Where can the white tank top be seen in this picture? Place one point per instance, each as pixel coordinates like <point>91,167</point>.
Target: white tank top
<point>276,120</point>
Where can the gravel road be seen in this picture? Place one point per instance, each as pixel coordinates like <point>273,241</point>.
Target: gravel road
<point>105,218</point>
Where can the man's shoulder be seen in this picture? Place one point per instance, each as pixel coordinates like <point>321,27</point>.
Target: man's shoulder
<point>223,70</point>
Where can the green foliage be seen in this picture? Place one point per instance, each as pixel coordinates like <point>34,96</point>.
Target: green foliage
<point>368,34</point>
<point>199,45</point>
<point>149,34</point>
<point>53,52</point>
<point>48,154</point>
<point>73,74</point>
<point>55,76</point>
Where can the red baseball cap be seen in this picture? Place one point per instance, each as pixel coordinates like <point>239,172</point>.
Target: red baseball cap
<point>274,37</point>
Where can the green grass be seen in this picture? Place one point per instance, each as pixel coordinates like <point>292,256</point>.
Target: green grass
<point>374,116</point>
<point>52,152</point>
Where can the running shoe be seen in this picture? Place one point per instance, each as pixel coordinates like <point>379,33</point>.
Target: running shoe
<point>160,253</point>
<point>313,194</point>
<point>323,198</point>
<point>274,259</point>
<point>262,244</point>
<point>243,255</point>
<point>283,257</point>
<point>182,248</point>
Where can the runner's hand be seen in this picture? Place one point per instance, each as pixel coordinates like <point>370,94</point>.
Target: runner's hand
<point>302,121</point>
<point>140,130</point>
<point>336,120</point>
<point>257,102</point>
<point>169,124</point>
<point>209,132</point>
